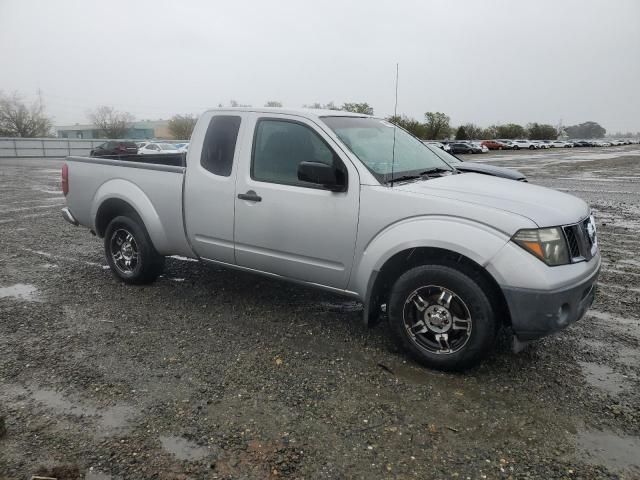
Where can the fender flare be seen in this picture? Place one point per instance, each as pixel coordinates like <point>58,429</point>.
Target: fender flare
<point>132,194</point>
<point>476,241</point>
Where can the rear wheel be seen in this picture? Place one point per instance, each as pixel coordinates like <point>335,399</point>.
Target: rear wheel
<point>531,147</point>
<point>442,316</point>
<point>516,147</point>
<point>129,251</point>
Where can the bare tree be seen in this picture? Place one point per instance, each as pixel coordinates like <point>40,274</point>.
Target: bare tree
<point>110,122</point>
<point>234,103</point>
<point>326,106</point>
<point>19,120</point>
<point>273,103</point>
<point>181,126</point>
<point>358,108</point>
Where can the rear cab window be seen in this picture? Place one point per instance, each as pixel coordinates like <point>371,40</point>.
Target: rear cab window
<point>219,144</point>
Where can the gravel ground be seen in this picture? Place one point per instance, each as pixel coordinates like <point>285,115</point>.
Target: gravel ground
<point>210,373</point>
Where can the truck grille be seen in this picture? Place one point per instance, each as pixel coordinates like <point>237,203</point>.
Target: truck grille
<point>581,240</point>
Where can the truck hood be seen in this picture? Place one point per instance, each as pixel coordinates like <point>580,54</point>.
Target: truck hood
<point>490,170</point>
<point>544,206</point>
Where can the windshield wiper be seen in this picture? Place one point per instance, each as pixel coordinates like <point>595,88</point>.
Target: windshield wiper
<point>421,175</point>
<point>437,170</point>
<point>403,178</point>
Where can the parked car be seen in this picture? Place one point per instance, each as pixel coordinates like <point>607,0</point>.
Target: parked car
<point>483,148</point>
<point>318,198</point>
<point>540,144</point>
<point>494,145</point>
<point>153,148</point>
<point>582,143</point>
<point>519,144</point>
<point>506,144</point>
<point>442,146</point>
<point>181,147</point>
<point>482,168</point>
<point>114,148</point>
<point>460,147</point>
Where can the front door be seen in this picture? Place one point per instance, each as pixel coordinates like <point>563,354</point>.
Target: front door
<point>286,226</point>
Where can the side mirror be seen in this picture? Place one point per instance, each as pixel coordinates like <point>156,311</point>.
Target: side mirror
<point>321,174</point>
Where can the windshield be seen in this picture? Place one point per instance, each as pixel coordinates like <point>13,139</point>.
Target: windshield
<point>446,156</point>
<point>372,141</point>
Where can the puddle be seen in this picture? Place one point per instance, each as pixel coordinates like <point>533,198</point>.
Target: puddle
<point>109,419</point>
<point>184,259</point>
<point>603,377</point>
<point>182,448</point>
<point>617,452</point>
<point>20,291</point>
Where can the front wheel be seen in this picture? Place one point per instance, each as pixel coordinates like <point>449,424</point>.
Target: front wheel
<point>516,147</point>
<point>129,251</point>
<point>442,316</point>
<point>531,147</point>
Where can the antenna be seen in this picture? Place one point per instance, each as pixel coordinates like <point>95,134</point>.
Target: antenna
<point>395,127</point>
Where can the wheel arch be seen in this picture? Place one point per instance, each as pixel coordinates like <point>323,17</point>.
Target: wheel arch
<point>381,280</point>
<point>418,240</point>
<point>121,197</point>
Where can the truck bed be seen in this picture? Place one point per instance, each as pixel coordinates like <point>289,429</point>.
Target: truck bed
<point>149,183</point>
<point>172,159</point>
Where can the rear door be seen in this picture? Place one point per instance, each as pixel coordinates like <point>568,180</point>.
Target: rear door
<point>209,190</point>
<point>289,227</point>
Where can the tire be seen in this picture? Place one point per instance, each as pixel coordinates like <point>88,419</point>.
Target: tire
<point>129,251</point>
<point>516,147</point>
<point>531,147</point>
<point>468,327</point>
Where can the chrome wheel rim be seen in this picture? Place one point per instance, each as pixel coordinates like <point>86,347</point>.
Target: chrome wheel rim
<point>124,251</point>
<point>437,320</point>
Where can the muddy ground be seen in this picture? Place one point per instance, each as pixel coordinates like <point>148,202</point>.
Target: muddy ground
<point>216,374</point>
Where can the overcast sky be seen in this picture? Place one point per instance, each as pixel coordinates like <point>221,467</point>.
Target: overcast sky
<point>478,61</point>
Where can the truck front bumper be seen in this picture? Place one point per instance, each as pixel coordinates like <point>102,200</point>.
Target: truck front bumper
<point>535,314</point>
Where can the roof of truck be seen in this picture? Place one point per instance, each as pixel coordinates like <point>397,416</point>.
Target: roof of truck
<point>304,112</point>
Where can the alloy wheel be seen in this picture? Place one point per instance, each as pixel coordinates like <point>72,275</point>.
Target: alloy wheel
<point>124,251</point>
<point>437,320</point>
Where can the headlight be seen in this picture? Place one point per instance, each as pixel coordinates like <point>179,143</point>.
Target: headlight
<point>548,244</point>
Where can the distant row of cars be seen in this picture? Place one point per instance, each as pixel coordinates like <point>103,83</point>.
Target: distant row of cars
<point>115,147</point>
<point>482,146</point>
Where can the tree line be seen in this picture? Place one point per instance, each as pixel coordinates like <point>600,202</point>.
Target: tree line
<point>436,126</point>
<point>19,119</point>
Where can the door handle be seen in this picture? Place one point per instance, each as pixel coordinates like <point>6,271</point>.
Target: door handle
<point>250,196</point>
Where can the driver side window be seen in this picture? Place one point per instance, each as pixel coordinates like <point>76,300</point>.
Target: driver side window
<point>279,146</point>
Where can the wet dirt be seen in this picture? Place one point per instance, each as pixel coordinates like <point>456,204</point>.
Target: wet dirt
<point>210,373</point>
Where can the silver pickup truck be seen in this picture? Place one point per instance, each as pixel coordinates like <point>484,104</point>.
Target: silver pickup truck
<point>354,205</point>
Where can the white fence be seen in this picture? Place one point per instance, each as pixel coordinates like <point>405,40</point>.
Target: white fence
<point>46,147</point>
